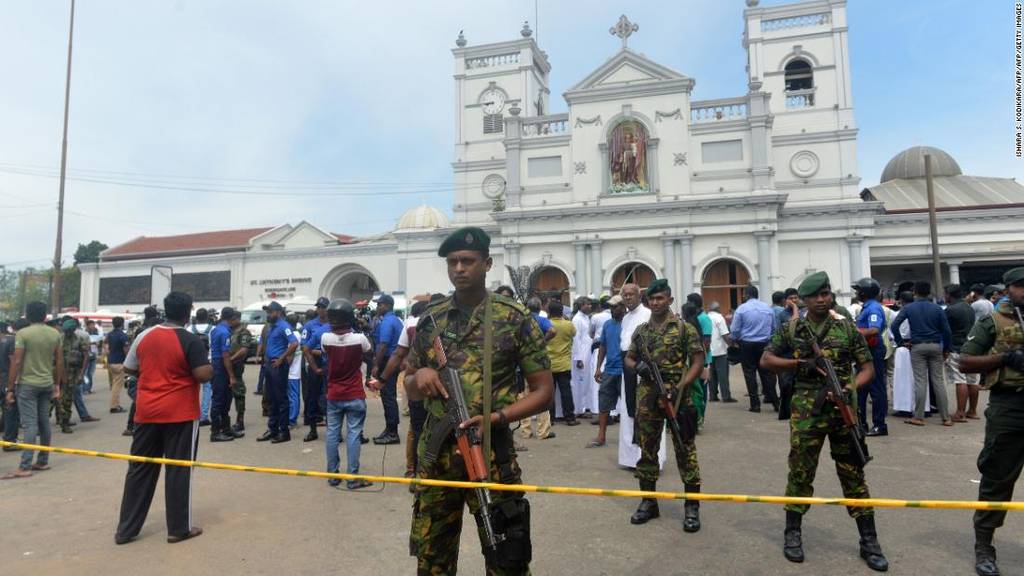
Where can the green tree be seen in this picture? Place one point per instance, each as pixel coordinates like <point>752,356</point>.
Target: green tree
<point>89,252</point>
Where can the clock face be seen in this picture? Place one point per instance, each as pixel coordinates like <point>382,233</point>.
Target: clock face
<point>493,186</point>
<point>492,101</point>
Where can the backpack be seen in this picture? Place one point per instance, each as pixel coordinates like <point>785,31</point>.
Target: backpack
<point>204,336</point>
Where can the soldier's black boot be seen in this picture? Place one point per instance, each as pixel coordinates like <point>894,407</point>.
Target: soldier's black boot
<point>870,550</point>
<point>793,545</point>
<point>218,431</point>
<point>984,553</point>
<point>691,510</point>
<point>648,509</point>
<point>240,423</point>
<point>312,434</point>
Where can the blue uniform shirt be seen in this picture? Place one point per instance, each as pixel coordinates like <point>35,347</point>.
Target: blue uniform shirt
<point>388,331</point>
<point>611,338</point>
<point>873,316</point>
<point>313,330</point>
<point>220,343</point>
<point>279,338</point>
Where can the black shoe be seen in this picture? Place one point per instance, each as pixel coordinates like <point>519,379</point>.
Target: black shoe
<point>984,553</point>
<point>204,422</point>
<point>648,510</point>
<point>239,427</point>
<point>793,544</point>
<point>116,410</point>
<point>11,449</point>
<point>572,422</point>
<point>281,437</point>
<point>691,510</point>
<point>234,433</point>
<point>876,431</point>
<point>714,399</point>
<point>870,550</point>
<point>754,409</point>
<point>119,540</point>
<point>730,400</point>
<point>363,439</point>
<point>66,429</point>
<point>128,432</point>
<point>386,438</point>
<point>311,436</point>
<point>268,435</point>
<point>221,436</point>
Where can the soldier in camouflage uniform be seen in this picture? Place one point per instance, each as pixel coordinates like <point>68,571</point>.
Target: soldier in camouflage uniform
<point>814,417</point>
<point>995,347</point>
<point>677,350</point>
<point>459,321</point>
<point>238,348</point>
<point>76,355</point>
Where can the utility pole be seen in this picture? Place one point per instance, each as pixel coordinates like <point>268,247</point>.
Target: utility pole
<point>55,292</point>
<point>933,226</point>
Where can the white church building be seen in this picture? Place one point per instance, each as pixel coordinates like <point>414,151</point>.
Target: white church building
<point>637,180</point>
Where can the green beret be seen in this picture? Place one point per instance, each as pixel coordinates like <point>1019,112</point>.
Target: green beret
<point>468,238</point>
<point>659,285</point>
<point>813,284</point>
<point>1013,276</point>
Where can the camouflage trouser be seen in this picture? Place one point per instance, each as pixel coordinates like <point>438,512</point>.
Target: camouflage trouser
<point>806,437</point>
<point>437,515</point>
<point>67,399</point>
<point>238,390</point>
<point>650,431</point>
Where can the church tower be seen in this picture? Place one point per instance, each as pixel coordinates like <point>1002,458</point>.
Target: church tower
<point>492,82</point>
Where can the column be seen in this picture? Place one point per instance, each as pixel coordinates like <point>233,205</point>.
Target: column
<point>686,264</point>
<point>579,274</point>
<point>596,271</point>
<point>403,273</point>
<point>854,244</point>
<point>669,268</point>
<point>764,264</point>
<point>954,272</point>
<point>513,140</point>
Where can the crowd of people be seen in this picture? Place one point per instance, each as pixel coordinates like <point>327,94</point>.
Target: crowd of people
<point>607,358</point>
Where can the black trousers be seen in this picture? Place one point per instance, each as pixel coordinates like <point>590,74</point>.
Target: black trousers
<point>313,398</point>
<point>629,383</point>
<point>786,380</point>
<point>178,441</point>
<point>750,358</point>
<point>563,385</point>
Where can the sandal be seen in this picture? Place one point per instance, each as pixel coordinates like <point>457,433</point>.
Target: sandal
<point>191,534</point>
<point>19,473</point>
<point>357,484</point>
<point>40,467</point>
<point>595,444</point>
<point>914,422</point>
<point>947,422</point>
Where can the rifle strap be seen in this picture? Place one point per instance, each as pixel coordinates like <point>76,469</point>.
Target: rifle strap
<point>487,392</point>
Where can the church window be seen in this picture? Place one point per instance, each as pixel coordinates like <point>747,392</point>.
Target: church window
<point>799,75</point>
<point>494,124</point>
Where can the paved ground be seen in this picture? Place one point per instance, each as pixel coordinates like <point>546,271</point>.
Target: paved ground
<point>62,521</point>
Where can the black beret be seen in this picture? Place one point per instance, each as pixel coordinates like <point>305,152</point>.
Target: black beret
<point>659,285</point>
<point>467,238</point>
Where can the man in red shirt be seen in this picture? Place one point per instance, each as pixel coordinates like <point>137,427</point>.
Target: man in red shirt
<point>169,362</point>
<point>345,351</point>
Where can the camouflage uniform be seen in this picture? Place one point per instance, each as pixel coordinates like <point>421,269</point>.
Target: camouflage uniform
<point>76,354</point>
<point>240,338</point>
<point>517,339</point>
<point>842,344</point>
<point>671,347</point>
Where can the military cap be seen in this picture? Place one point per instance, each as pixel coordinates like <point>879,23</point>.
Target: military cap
<point>1013,276</point>
<point>812,284</point>
<point>69,324</point>
<point>467,238</point>
<point>659,285</point>
<point>227,313</point>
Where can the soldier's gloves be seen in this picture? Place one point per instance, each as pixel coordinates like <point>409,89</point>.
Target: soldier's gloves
<point>643,369</point>
<point>1014,359</point>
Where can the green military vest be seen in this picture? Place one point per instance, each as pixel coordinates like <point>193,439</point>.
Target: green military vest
<point>1009,335</point>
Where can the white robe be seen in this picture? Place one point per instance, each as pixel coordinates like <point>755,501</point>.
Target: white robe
<point>903,378</point>
<point>629,453</point>
<point>582,378</point>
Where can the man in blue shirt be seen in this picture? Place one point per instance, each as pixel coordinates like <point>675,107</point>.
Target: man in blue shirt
<point>871,324</point>
<point>280,344</point>
<point>752,326</point>
<point>931,342</point>
<point>220,358</point>
<point>313,391</point>
<point>609,367</point>
<point>386,336</point>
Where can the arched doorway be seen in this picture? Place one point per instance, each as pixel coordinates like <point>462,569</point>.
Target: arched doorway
<point>550,282</point>
<point>350,281</point>
<point>723,283</point>
<point>632,273</point>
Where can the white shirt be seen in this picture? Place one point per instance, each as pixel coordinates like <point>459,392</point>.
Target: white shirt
<point>719,329</point>
<point>630,321</point>
<point>597,323</point>
<point>581,342</point>
<point>403,338</point>
<point>295,370</point>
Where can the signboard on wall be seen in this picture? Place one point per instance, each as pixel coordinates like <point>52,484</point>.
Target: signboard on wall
<point>125,290</point>
<point>273,288</point>
<point>204,286</point>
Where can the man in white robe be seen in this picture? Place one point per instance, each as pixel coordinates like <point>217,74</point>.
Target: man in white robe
<point>636,314</point>
<point>582,373</point>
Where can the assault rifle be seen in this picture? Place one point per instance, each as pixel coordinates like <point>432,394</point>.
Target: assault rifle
<point>663,399</point>
<point>456,412</point>
<point>834,393</point>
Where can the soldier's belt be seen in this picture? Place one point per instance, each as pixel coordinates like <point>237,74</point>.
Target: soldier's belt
<point>708,497</point>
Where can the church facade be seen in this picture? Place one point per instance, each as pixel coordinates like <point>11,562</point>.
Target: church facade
<point>637,180</point>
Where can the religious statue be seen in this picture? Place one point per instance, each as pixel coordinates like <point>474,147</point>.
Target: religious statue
<point>627,151</point>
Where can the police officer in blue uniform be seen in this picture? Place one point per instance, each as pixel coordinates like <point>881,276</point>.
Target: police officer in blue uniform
<point>313,391</point>
<point>278,350</point>
<point>220,358</point>
<point>871,324</point>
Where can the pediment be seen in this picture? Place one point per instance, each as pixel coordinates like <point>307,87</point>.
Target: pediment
<point>306,235</point>
<point>626,68</point>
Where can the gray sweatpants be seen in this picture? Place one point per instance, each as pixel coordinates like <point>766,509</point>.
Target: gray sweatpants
<point>927,361</point>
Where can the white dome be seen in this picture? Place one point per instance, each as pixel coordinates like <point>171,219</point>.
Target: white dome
<point>422,218</point>
<point>909,164</point>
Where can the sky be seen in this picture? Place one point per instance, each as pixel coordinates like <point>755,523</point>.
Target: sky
<point>192,115</point>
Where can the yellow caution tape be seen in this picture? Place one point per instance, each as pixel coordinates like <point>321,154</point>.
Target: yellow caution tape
<point>738,498</point>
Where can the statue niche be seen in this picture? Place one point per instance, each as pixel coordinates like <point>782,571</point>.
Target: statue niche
<point>627,158</point>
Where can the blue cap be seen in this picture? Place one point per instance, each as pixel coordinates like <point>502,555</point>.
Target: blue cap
<point>322,302</point>
<point>274,306</point>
